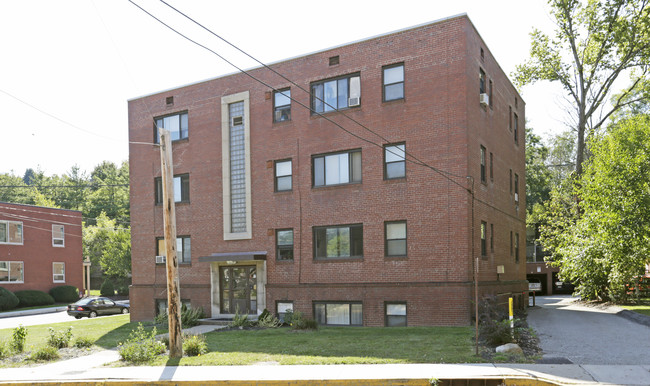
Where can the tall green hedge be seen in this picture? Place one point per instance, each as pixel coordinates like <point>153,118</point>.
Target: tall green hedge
<point>65,294</point>
<point>8,300</point>
<point>30,298</point>
<point>107,288</point>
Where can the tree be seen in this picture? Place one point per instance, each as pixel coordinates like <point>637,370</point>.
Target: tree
<point>538,175</point>
<point>110,192</point>
<point>108,246</point>
<point>595,43</point>
<point>607,245</point>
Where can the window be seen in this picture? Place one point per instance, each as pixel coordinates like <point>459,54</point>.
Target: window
<point>483,177</point>
<point>515,127</point>
<point>181,189</point>
<point>11,272</point>
<point>510,181</point>
<point>282,308</point>
<point>491,166</point>
<point>395,242</point>
<point>176,124</point>
<point>393,82</point>
<point>338,241</point>
<point>58,236</point>
<point>516,187</point>
<point>337,169</point>
<point>511,244</point>
<point>58,272</point>
<point>395,314</point>
<point>491,237</point>
<point>284,244</point>
<point>282,105</point>
<point>333,94</point>
<point>510,118</point>
<point>161,305</point>
<point>11,232</point>
<point>491,104</point>
<point>338,314</point>
<point>283,176</point>
<point>394,161</point>
<point>183,249</point>
<point>516,247</point>
<point>483,238</point>
<point>481,80</point>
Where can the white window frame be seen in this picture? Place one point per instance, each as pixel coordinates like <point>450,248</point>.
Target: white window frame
<point>8,269</point>
<point>61,276</point>
<point>56,239</point>
<point>7,238</point>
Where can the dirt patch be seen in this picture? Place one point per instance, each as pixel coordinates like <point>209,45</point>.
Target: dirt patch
<point>22,359</point>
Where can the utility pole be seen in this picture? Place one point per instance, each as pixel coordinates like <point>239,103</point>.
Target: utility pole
<point>169,220</point>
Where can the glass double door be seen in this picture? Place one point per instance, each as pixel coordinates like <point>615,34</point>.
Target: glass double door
<point>238,289</point>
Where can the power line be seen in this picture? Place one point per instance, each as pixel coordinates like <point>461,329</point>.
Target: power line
<point>64,186</point>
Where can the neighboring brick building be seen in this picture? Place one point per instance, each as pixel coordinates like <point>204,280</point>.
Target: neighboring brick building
<point>40,247</point>
<point>277,207</point>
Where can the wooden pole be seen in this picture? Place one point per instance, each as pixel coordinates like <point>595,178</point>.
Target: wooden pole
<point>169,220</point>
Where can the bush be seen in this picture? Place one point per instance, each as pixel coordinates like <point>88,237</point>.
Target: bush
<point>141,346</point>
<point>46,353</point>
<point>299,322</point>
<point>123,290</point>
<point>189,317</point>
<point>240,320</point>
<point>59,339</point>
<point>18,338</point>
<point>107,288</point>
<point>5,350</point>
<point>65,294</point>
<point>194,345</point>
<point>8,300</point>
<point>267,320</point>
<point>83,342</point>
<point>31,298</point>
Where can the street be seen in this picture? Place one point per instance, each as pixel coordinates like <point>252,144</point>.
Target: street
<point>586,335</point>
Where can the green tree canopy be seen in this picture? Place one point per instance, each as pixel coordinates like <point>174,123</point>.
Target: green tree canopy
<point>609,243</point>
<point>595,44</point>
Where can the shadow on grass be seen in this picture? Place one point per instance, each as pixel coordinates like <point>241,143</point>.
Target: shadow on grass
<point>120,334</point>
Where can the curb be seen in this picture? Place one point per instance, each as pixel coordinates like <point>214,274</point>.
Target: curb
<point>36,311</point>
<point>635,317</point>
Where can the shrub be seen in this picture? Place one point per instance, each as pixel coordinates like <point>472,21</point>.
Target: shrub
<point>65,294</point>
<point>30,298</point>
<point>8,300</point>
<point>240,320</point>
<point>46,353</point>
<point>107,288</point>
<point>18,338</point>
<point>194,345</point>
<point>5,350</point>
<point>83,342</point>
<point>141,346</point>
<point>123,290</point>
<point>59,339</point>
<point>299,322</point>
<point>189,317</point>
<point>267,320</point>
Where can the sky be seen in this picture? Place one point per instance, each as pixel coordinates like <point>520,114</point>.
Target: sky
<point>69,67</point>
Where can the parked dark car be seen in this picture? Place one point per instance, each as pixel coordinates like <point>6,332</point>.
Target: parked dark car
<point>92,307</point>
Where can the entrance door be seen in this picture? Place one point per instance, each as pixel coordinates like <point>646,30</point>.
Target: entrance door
<point>238,289</point>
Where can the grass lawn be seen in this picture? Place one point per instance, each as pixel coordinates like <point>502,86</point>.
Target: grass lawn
<point>106,331</point>
<point>641,309</point>
<point>336,345</point>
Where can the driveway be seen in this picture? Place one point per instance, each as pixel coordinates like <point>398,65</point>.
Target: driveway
<point>571,333</point>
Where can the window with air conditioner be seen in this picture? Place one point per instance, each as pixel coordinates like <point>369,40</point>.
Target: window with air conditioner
<point>183,250</point>
<point>58,235</point>
<point>336,94</point>
<point>282,105</point>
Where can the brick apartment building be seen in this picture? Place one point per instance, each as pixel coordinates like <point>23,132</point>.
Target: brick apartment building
<point>280,208</point>
<point>40,248</point>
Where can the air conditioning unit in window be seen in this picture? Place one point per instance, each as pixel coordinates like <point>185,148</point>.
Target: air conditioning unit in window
<point>354,101</point>
<point>484,99</point>
<point>516,197</point>
<point>161,259</point>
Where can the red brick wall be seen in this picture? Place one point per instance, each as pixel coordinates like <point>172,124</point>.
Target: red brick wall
<point>442,124</point>
<point>37,252</point>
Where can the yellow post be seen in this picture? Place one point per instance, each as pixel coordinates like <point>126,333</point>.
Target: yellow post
<point>512,321</point>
